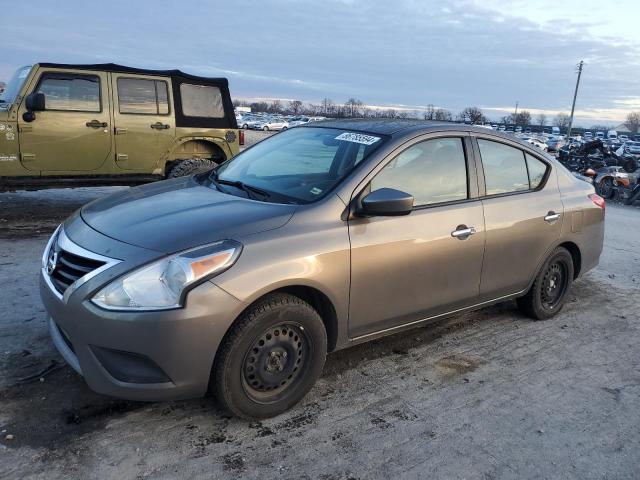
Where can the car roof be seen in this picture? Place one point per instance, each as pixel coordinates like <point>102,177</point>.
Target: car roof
<point>394,126</point>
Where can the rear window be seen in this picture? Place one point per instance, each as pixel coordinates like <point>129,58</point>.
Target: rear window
<point>505,170</point>
<point>201,101</point>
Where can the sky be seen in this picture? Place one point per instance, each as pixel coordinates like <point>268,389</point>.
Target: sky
<point>400,53</point>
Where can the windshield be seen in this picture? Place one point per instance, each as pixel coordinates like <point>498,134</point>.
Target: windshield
<point>15,84</point>
<point>299,165</point>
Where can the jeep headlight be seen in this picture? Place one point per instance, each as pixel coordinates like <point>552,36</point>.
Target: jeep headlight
<point>161,285</point>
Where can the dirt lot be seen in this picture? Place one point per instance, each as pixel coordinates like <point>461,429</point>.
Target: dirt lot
<point>483,395</point>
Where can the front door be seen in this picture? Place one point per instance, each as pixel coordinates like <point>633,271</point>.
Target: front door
<point>144,121</point>
<point>409,268</point>
<point>73,134</point>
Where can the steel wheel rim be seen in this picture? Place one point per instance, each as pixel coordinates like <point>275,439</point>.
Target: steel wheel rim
<point>554,285</point>
<point>274,362</point>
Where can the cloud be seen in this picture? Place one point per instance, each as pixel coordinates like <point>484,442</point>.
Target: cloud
<point>410,52</point>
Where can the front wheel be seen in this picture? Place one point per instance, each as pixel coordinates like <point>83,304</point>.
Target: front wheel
<point>266,129</point>
<point>549,291</point>
<point>270,358</point>
<point>284,128</point>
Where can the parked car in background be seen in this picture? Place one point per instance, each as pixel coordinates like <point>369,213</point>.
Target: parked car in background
<point>271,124</point>
<point>249,122</point>
<point>623,138</point>
<point>600,135</point>
<point>612,134</point>
<point>587,136</point>
<point>242,279</point>
<point>82,125</point>
<point>295,121</point>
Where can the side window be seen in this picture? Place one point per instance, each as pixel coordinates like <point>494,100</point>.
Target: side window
<point>433,171</point>
<point>141,96</point>
<point>505,169</point>
<point>201,101</point>
<point>70,92</point>
<point>537,170</point>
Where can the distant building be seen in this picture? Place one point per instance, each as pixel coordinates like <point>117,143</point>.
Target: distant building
<point>622,128</point>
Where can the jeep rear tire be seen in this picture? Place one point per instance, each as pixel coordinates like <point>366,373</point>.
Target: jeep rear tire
<point>270,358</point>
<point>183,168</point>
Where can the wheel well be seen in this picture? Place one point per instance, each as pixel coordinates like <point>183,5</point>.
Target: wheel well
<point>321,303</point>
<point>576,256</point>
<point>195,149</point>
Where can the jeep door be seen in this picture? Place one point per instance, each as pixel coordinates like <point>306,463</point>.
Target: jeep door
<point>523,214</point>
<point>408,268</point>
<point>73,133</point>
<point>144,121</point>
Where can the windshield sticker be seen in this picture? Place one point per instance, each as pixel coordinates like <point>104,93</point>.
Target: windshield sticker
<point>357,138</point>
<point>316,191</point>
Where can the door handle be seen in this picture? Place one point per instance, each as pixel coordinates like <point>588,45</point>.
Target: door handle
<point>463,232</point>
<point>551,217</point>
<point>96,124</point>
<point>160,126</point>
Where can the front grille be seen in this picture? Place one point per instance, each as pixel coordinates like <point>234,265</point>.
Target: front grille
<point>69,268</point>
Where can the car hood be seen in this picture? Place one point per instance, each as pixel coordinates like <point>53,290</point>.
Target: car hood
<point>175,215</point>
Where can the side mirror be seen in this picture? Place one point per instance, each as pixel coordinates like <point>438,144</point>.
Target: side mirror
<point>35,102</point>
<point>386,202</point>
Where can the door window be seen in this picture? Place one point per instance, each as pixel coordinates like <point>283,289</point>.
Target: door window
<point>142,96</point>
<point>537,171</point>
<point>71,92</point>
<point>201,101</point>
<point>505,170</point>
<point>433,171</point>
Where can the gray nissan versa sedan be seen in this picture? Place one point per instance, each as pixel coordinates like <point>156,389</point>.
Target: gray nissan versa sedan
<point>241,279</point>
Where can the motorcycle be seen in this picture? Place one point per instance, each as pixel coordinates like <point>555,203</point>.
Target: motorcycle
<point>615,183</point>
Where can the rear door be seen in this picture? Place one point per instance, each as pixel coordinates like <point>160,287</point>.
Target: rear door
<point>408,268</point>
<point>523,215</point>
<point>144,121</point>
<point>73,134</point>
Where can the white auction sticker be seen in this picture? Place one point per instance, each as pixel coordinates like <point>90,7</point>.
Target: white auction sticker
<point>358,138</point>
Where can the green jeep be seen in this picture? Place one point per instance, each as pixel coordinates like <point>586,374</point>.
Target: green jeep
<point>106,124</point>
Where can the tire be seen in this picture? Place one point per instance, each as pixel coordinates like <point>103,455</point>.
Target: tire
<point>270,358</point>
<point>284,128</point>
<point>266,129</point>
<point>606,188</point>
<point>548,294</point>
<point>182,168</point>
<point>245,126</point>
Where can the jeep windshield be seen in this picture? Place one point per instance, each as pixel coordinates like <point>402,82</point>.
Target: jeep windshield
<point>13,87</point>
<point>298,166</point>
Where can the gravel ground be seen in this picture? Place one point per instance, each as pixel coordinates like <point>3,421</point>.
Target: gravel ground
<point>483,395</point>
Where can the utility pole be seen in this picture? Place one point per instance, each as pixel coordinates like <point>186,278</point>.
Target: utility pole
<point>515,114</point>
<point>575,95</point>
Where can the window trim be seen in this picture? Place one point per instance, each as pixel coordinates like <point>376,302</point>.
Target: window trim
<point>482,187</point>
<point>403,148</point>
<point>155,84</point>
<point>51,74</point>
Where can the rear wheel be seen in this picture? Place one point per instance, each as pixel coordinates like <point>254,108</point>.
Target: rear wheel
<point>270,358</point>
<point>266,129</point>
<point>182,168</point>
<point>548,294</point>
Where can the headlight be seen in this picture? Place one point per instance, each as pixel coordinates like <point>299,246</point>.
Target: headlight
<point>161,284</point>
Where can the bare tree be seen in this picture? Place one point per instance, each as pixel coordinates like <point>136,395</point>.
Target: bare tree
<point>542,120</point>
<point>275,107</point>
<point>561,120</point>
<point>295,106</point>
<point>472,115</point>
<point>327,106</point>
<point>429,113</point>
<point>633,122</point>
<point>523,118</point>
<point>443,115</point>
<point>353,107</point>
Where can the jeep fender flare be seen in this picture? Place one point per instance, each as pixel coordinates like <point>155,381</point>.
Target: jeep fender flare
<point>197,147</point>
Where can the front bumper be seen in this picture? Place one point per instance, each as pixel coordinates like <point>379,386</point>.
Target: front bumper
<point>159,355</point>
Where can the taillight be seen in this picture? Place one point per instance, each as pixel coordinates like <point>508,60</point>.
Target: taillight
<point>597,200</point>
<point>241,137</point>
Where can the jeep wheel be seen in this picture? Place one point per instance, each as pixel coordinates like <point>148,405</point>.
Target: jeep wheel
<point>270,358</point>
<point>182,168</point>
<point>548,294</point>
<point>606,188</point>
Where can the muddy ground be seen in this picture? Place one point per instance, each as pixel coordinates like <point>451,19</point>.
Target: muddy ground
<point>481,396</point>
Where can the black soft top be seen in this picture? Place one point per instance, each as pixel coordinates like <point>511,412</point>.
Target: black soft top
<point>178,77</point>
